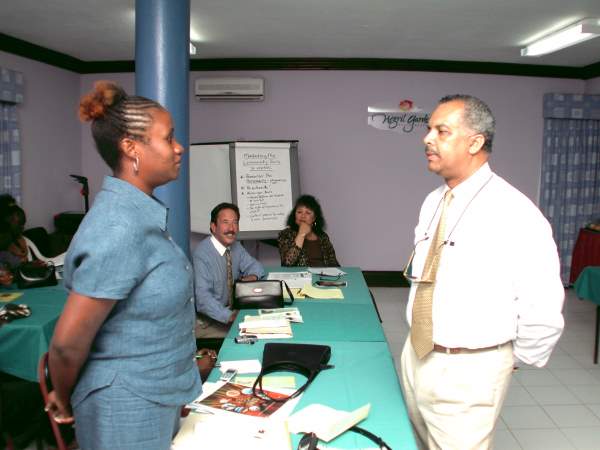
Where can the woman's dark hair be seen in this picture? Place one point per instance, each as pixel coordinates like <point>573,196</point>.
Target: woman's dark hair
<point>308,201</point>
<point>115,116</point>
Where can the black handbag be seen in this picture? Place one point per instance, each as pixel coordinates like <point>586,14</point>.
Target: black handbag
<point>260,294</point>
<point>305,359</point>
<point>33,274</point>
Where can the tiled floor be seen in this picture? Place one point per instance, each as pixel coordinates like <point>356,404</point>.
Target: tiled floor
<point>554,408</point>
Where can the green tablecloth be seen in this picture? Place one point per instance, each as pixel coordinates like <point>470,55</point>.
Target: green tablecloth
<point>24,341</point>
<point>587,285</point>
<point>333,321</point>
<point>364,372</point>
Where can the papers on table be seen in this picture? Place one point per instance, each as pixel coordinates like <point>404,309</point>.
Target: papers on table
<point>211,427</point>
<point>327,271</point>
<point>293,279</point>
<point>325,422</point>
<point>9,296</point>
<point>265,328</point>
<point>292,314</point>
<point>269,381</point>
<point>241,366</point>
<point>310,291</point>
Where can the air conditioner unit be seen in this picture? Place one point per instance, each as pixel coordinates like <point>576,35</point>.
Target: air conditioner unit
<point>249,89</point>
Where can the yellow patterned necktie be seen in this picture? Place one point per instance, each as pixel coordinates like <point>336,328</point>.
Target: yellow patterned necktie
<point>229,277</point>
<point>421,330</point>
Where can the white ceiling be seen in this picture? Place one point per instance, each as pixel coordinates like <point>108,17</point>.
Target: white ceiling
<point>459,30</point>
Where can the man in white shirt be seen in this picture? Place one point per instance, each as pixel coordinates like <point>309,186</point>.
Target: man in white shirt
<point>487,295</point>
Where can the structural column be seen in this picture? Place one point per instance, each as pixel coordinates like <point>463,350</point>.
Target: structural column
<point>162,36</point>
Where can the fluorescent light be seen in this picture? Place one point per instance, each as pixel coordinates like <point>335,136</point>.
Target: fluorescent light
<point>574,34</point>
<point>192,49</point>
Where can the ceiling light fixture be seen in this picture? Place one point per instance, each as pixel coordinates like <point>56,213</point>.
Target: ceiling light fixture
<point>573,34</point>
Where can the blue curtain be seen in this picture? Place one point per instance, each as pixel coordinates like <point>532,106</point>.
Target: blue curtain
<point>570,182</point>
<point>11,94</point>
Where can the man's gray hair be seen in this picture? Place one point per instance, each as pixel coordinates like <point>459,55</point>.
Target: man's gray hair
<point>477,116</point>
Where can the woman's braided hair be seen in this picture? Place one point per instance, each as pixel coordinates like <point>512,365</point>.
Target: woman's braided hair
<point>114,116</point>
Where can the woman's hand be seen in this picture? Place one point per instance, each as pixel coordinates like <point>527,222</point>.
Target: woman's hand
<point>61,413</point>
<point>304,229</point>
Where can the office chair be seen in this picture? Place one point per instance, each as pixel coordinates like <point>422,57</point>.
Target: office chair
<point>32,252</point>
<point>44,378</point>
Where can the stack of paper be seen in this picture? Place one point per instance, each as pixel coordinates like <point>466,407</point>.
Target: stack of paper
<point>310,291</point>
<point>292,314</point>
<point>265,328</point>
<point>294,280</point>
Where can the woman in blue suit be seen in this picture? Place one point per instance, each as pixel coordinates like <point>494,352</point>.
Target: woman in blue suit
<point>122,356</point>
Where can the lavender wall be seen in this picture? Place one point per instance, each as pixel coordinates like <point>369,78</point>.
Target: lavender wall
<point>51,147</point>
<point>370,182</point>
<point>592,86</point>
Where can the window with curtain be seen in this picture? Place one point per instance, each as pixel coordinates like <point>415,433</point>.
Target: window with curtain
<point>11,94</point>
<point>570,182</point>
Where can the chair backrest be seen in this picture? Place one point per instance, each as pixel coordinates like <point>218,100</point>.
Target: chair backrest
<point>44,376</point>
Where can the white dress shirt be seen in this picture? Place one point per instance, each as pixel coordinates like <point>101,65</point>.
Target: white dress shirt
<point>498,278</point>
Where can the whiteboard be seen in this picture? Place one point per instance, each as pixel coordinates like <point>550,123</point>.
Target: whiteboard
<point>260,177</point>
<point>210,182</point>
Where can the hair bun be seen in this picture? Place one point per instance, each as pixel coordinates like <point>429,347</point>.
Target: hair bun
<point>94,104</point>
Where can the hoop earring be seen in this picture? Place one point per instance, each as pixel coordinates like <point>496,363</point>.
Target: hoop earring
<point>136,165</point>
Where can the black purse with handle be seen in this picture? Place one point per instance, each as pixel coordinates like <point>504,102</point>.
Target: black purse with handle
<point>260,294</point>
<point>33,274</point>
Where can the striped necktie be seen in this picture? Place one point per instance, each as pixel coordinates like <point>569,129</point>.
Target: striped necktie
<point>421,330</point>
<point>229,277</point>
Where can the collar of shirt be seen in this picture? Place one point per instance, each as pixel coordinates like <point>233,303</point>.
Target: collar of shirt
<point>153,209</point>
<point>220,247</point>
<point>466,190</point>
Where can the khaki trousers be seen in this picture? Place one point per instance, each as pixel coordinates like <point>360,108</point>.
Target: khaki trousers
<point>454,400</point>
<point>209,328</point>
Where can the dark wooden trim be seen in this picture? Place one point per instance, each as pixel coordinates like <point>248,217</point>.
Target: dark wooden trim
<point>32,51</point>
<point>424,65</point>
<point>107,67</point>
<point>380,278</point>
<point>28,50</point>
<point>591,71</point>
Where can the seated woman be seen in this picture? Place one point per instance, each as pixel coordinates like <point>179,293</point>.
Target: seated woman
<point>15,218</point>
<point>304,241</point>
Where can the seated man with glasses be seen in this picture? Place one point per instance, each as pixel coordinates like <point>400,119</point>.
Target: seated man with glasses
<point>219,260</point>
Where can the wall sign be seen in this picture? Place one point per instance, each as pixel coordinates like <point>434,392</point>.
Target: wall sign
<point>403,117</point>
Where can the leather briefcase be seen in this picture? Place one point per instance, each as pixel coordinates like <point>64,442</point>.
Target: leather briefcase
<point>260,294</point>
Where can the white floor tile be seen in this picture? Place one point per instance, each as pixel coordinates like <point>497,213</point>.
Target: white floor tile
<point>518,396</point>
<point>553,395</point>
<point>595,373</point>
<point>583,438</point>
<point>595,408</point>
<point>566,416</point>
<point>562,360</point>
<point>504,440</point>
<point>587,394</point>
<point>542,440</point>
<point>536,377</point>
<point>574,377</point>
<point>519,417</point>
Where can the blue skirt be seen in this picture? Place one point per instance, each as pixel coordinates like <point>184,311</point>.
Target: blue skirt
<point>113,418</point>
